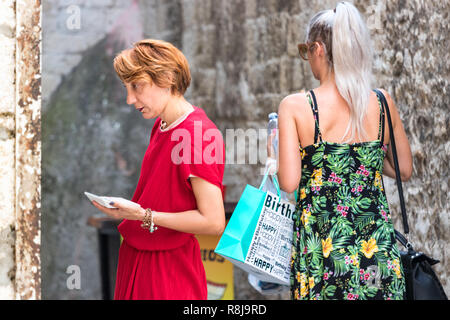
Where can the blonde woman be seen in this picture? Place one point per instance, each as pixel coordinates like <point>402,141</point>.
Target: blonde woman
<point>334,148</point>
<point>179,192</point>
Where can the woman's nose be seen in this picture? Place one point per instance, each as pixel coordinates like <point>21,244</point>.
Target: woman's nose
<point>131,99</point>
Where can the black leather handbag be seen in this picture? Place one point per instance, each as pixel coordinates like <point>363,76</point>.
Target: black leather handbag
<point>421,281</point>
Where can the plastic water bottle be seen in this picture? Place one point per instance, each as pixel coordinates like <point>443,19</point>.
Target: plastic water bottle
<point>268,288</point>
<point>272,130</point>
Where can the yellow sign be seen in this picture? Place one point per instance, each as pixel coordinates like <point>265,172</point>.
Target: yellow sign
<point>219,271</point>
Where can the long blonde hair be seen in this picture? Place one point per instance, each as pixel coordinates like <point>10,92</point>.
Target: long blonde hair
<point>350,54</point>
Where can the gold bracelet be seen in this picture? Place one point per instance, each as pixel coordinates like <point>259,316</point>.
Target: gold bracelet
<point>147,222</point>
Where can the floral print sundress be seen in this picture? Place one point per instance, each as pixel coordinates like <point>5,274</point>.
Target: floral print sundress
<point>344,245</point>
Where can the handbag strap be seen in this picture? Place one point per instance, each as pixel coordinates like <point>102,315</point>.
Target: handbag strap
<point>396,166</point>
<point>274,180</point>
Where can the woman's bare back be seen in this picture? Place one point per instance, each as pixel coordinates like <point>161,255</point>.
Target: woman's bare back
<point>334,116</point>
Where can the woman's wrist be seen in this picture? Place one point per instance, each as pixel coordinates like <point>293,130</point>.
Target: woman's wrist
<point>155,216</point>
<point>147,220</point>
<point>141,214</point>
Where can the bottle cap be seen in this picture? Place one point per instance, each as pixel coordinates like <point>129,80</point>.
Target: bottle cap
<point>273,115</point>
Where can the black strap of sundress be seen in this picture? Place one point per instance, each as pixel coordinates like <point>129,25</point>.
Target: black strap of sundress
<point>315,111</point>
<point>396,166</point>
<point>381,124</point>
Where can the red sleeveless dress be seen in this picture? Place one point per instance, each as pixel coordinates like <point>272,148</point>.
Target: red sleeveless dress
<point>167,264</point>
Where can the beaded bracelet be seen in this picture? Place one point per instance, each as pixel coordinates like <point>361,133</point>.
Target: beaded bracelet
<point>147,222</point>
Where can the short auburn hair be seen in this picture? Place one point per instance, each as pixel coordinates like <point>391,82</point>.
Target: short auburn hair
<point>154,61</point>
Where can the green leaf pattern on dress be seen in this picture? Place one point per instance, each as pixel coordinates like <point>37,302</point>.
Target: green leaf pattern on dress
<point>344,242</point>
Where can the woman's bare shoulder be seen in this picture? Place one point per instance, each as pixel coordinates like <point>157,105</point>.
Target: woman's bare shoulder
<point>388,97</point>
<point>294,103</point>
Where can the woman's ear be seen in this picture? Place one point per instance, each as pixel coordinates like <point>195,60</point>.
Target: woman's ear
<point>319,49</point>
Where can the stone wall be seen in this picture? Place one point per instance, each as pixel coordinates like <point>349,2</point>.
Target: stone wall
<point>20,149</point>
<point>412,64</point>
<point>7,142</point>
<point>244,60</point>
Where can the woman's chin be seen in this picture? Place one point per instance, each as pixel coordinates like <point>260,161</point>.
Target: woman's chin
<point>147,115</point>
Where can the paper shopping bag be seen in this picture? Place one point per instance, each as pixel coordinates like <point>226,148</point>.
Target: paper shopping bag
<point>258,237</point>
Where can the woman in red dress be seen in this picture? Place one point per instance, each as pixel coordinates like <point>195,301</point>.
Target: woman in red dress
<point>179,192</point>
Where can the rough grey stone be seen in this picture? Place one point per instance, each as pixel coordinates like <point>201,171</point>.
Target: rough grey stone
<point>243,60</point>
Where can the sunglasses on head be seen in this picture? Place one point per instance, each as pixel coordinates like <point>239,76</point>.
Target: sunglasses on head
<point>304,48</point>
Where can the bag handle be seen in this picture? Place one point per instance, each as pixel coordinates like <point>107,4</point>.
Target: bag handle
<point>396,166</point>
<point>274,179</point>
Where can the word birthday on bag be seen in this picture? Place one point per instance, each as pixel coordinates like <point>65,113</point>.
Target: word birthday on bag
<point>270,249</point>
<point>274,203</point>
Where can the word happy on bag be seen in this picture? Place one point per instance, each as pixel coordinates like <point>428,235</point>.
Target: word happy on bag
<point>262,264</point>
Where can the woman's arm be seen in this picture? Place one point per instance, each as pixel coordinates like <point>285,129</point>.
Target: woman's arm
<point>209,218</point>
<point>388,170</point>
<point>401,141</point>
<point>289,160</point>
